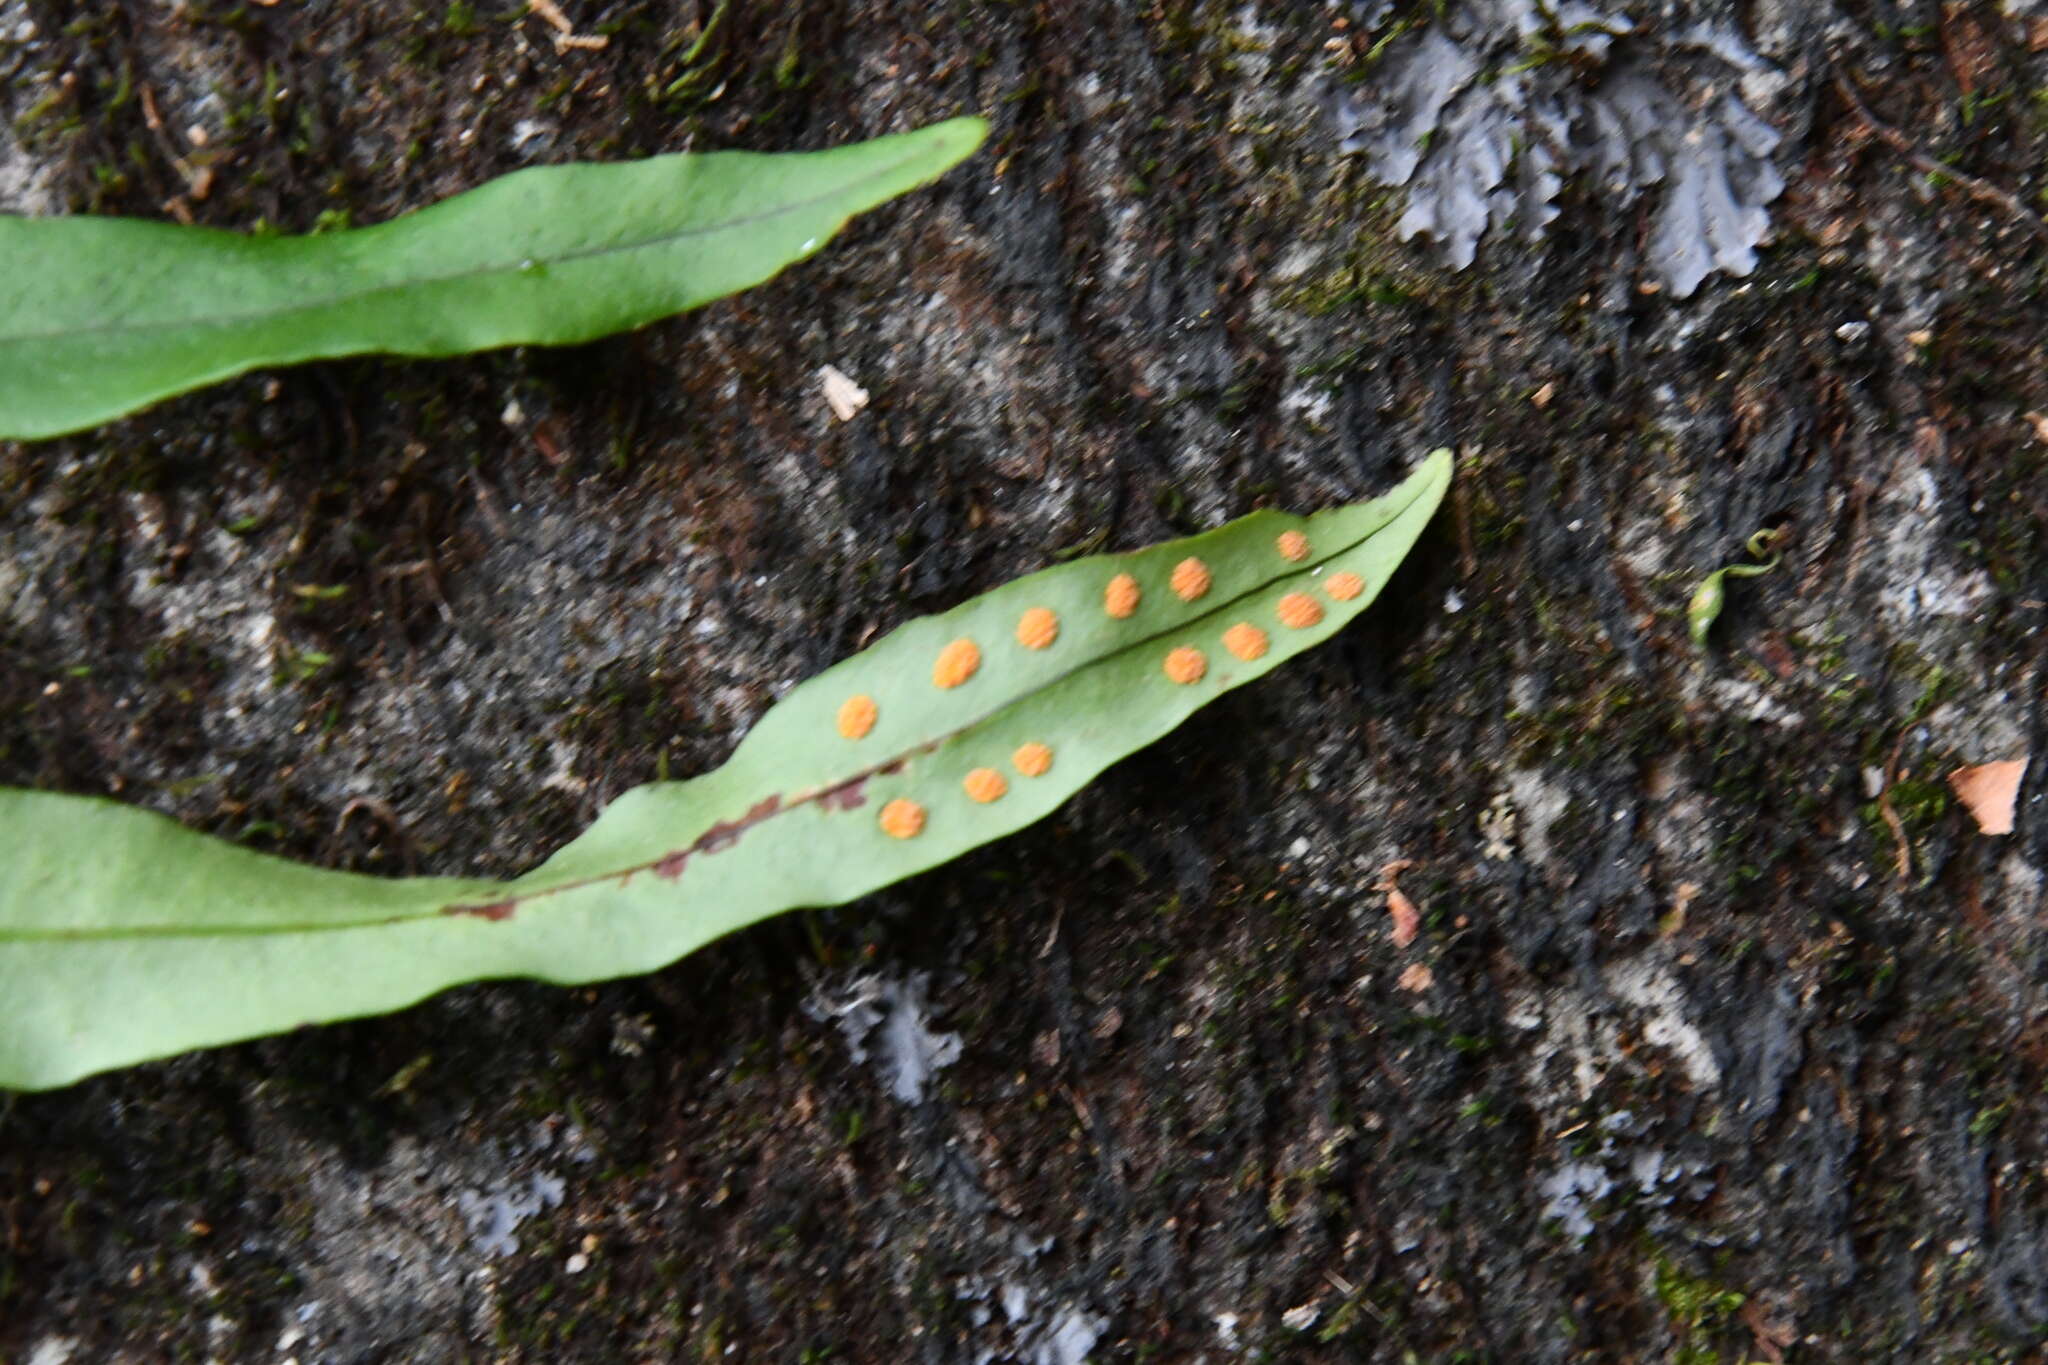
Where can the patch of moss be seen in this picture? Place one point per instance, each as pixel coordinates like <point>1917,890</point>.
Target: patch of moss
<point>1701,1311</point>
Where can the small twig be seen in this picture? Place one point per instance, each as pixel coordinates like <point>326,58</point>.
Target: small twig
<point>487,503</point>
<point>552,13</point>
<point>1053,936</point>
<point>566,35</point>
<point>381,811</point>
<point>1461,513</point>
<point>1890,816</point>
<point>198,179</point>
<point>1905,146</point>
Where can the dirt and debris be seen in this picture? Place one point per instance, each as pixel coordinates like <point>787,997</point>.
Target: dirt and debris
<point>842,395</point>
<point>1695,1075</point>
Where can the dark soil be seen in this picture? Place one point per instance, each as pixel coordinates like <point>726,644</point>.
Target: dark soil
<point>1726,1035</point>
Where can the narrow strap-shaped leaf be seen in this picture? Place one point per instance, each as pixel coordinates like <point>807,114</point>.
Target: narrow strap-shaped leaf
<point>99,316</point>
<point>124,936</point>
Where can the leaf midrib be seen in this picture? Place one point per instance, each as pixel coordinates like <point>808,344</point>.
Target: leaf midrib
<point>456,276</point>
<point>442,908</point>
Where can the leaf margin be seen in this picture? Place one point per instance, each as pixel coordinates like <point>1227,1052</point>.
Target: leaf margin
<point>596,930</point>
<point>53,395</point>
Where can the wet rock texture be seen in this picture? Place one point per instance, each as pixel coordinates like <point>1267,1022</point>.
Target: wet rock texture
<point>1723,1036</point>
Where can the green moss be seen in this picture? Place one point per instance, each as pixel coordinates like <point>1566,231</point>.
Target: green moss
<point>1918,802</point>
<point>1593,716</point>
<point>1348,285</point>
<point>1700,1310</point>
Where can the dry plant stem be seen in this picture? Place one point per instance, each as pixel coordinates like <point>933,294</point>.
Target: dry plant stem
<point>1905,146</point>
<point>565,32</point>
<point>1890,816</point>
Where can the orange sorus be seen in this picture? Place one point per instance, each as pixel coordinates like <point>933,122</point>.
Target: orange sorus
<point>1038,628</point>
<point>1246,641</point>
<point>985,785</point>
<point>1299,610</point>
<point>857,715</point>
<point>1185,664</point>
<point>1190,579</point>
<point>956,663</point>
<point>1293,545</point>
<point>902,819</point>
<point>1032,760</point>
<point>1344,586</point>
<point>1120,598</point>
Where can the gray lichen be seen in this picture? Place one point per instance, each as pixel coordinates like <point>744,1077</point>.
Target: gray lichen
<point>1486,114</point>
<point>494,1214</point>
<point>896,1013</point>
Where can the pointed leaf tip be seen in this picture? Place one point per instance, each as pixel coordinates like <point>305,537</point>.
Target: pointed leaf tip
<point>550,255</point>
<point>121,933</point>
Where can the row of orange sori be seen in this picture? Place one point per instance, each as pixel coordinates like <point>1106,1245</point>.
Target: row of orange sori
<point>1039,627</point>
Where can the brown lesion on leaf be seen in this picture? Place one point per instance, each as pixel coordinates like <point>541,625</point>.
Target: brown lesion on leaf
<point>726,833</point>
<point>721,836</point>
<point>850,794</point>
<point>495,912</point>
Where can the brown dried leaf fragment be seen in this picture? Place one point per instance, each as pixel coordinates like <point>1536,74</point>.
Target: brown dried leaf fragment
<point>1407,919</point>
<point>1973,53</point>
<point>1990,792</point>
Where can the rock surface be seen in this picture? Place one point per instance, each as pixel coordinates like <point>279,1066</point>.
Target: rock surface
<point>1724,1035</point>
